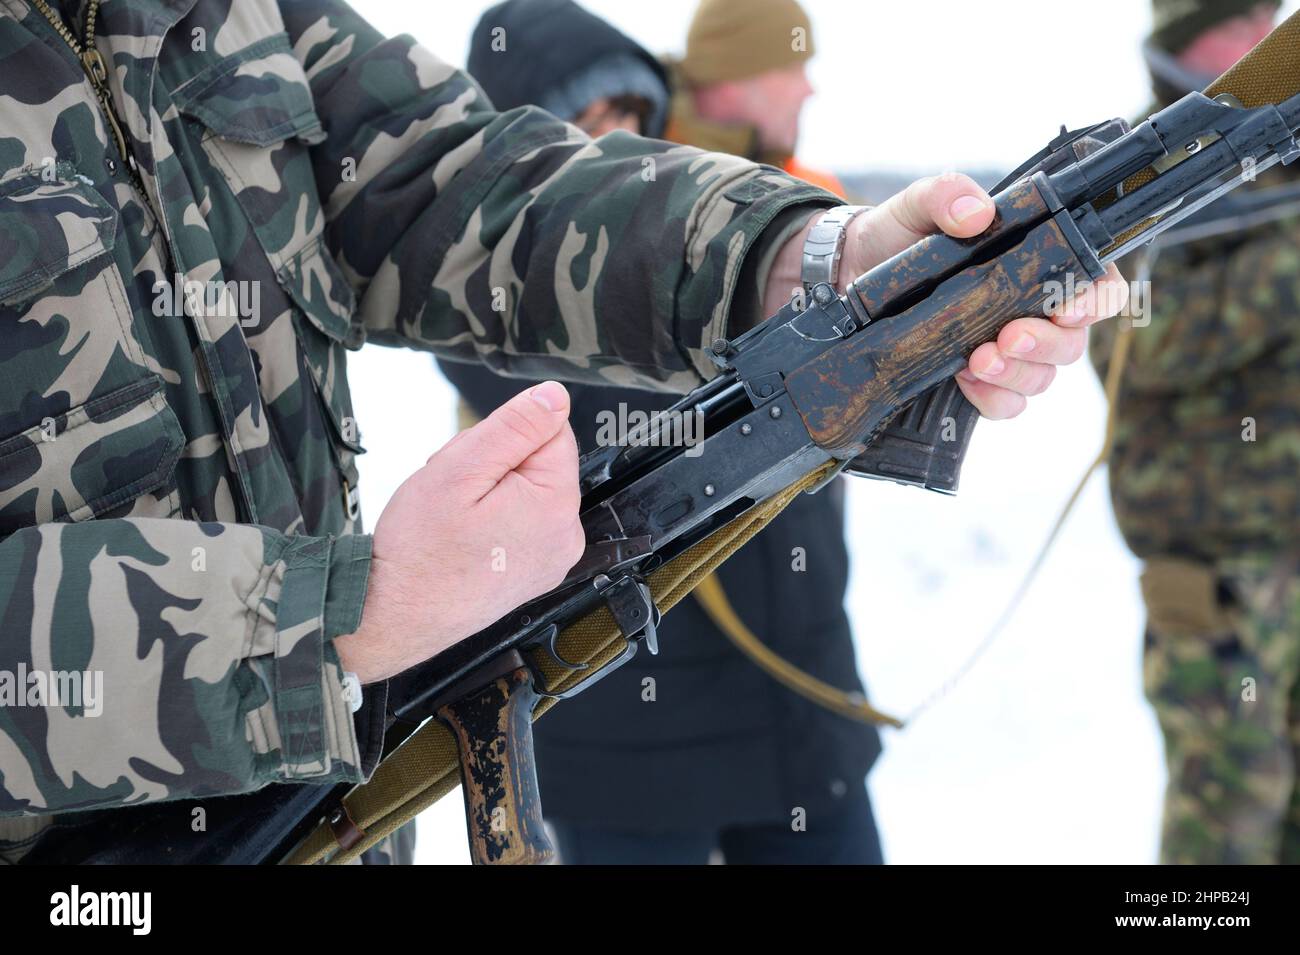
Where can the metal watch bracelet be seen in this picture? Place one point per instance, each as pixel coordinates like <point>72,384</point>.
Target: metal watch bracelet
<point>824,246</point>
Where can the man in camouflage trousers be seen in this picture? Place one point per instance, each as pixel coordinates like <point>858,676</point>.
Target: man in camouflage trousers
<point>203,205</point>
<point>1205,477</point>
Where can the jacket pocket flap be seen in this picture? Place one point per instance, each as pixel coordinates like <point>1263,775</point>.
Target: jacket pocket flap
<point>258,96</point>
<point>48,228</point>
<point>317,285</point>
<point>89,460</point>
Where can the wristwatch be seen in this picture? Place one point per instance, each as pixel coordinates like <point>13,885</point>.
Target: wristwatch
<point>825,245</point>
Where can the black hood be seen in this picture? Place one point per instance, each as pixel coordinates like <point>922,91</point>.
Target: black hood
<point>561,57</point>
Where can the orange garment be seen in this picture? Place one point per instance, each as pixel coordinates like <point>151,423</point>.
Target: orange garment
<point>816,177</point>
<point>687,128</point>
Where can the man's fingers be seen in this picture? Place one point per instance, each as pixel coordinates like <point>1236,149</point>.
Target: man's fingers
<point>554,466</point>
<point>988,364</point>
<point>508,437</point>
<point>951,203</point>
<point>991,401</point>
<point>548,481</point>
<point>1101,299</point>
<point>1021,361</point>
<point>1036,339</point>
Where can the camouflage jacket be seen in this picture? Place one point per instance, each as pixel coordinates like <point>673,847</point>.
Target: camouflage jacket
<point>177,475</point>
<point>1207,444</point>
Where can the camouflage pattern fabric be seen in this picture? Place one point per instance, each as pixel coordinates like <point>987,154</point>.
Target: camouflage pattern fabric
<point>1226,695</point>
<point>1207,445</point>
<point>1204,469</point>
<point>177,444</point>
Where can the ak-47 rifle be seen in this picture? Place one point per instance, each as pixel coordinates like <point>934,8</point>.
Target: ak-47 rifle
<point>860,382</point>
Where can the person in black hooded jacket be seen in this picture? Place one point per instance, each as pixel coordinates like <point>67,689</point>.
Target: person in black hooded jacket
<point>677,757</point>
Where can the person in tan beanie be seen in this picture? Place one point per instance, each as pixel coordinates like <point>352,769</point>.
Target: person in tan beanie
<point>743,82</point>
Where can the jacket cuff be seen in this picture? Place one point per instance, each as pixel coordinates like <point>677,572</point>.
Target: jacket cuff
<point>747,305</point>
<point>313,732</point>
<point>345,590</point>
<point>345,598</point>
<point>737,251</point>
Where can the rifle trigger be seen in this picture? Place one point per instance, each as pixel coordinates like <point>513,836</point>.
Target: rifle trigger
<point>551,635</point>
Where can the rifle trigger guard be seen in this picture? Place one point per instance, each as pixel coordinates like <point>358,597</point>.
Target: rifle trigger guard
<point>632,606</point>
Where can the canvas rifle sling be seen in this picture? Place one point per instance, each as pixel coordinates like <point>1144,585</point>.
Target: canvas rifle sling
<point>1267,75</point>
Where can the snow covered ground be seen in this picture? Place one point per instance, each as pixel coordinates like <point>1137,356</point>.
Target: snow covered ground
<point>1046,751</point>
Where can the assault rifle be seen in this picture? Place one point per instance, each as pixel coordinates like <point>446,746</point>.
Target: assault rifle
<point>858,383</point>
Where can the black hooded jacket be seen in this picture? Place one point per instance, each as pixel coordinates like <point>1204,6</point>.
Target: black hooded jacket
<point>556,55</point>
<point>721,743</point>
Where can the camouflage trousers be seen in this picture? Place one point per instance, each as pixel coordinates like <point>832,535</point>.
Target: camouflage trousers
<point>1222,671</point>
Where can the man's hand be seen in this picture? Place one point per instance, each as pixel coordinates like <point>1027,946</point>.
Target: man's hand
<point>488,524</point>
<point>1001,374</point>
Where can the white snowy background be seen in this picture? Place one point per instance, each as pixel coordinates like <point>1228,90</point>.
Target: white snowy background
<point>1046,751</point>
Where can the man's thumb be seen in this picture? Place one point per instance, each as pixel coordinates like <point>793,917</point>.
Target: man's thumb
<point>950,203</point>
<point>511,434</point>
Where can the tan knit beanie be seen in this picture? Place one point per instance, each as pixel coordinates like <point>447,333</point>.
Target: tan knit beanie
<point>737,39</point>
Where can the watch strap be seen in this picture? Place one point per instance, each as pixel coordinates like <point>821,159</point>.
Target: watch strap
<point>824,246</point>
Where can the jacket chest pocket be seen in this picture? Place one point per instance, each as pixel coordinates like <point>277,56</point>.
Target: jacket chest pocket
<point>85,430</point>
<point>255,121</point>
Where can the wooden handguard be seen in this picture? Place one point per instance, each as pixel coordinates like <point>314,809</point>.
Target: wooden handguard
<point>845,394</point>
<point>493,726</point>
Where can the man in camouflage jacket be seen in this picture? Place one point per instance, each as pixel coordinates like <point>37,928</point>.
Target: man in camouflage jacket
<point>1204,478</point>
<point>203,205</point>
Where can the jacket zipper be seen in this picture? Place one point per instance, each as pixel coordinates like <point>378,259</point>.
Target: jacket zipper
<point>96,70</point>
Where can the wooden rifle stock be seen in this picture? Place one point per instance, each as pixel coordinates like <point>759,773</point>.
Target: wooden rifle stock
<point>928,332</point>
